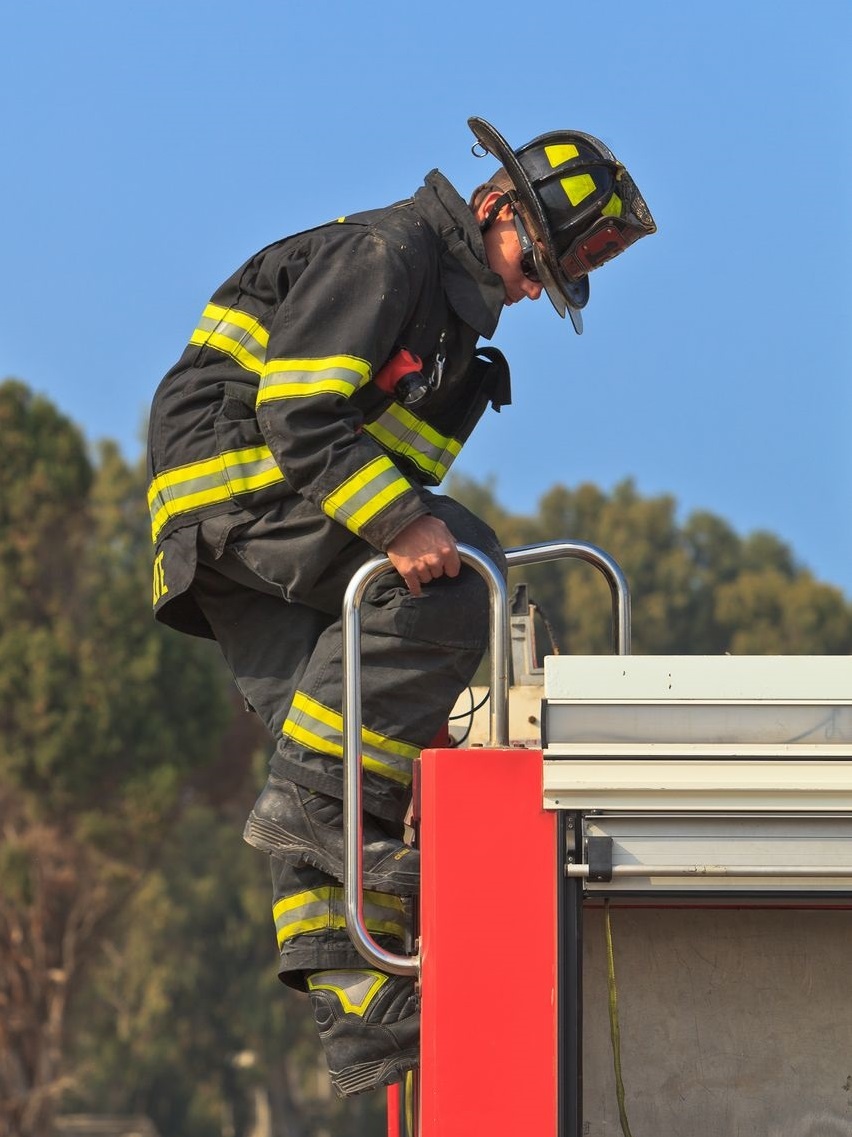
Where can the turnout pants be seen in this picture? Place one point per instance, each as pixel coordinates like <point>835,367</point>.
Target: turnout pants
<point>280,630</point>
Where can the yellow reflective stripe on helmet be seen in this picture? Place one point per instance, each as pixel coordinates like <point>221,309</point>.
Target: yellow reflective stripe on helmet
<point>578,188</point>
<point>403,433</point>
<point>365,494</point>
<point>560,152</point>
<point>320,728</point>
<point>613,207</point>
<point>208,482</point>
<point>235,333</point>
<point>299,378</point>
<point>320,908</point>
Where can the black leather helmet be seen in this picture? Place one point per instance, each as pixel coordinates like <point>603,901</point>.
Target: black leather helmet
<point>580,204</point>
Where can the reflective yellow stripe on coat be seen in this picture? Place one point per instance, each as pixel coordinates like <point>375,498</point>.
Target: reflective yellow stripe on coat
<point>209,481</point>
<point>317,727</point>
<point>235,333</point>
<point>360,498</point>
<point>301,378</point>
<point>403,433</point>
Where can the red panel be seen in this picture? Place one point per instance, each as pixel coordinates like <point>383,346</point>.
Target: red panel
<point>393,1099</point>
<point>488,927</point>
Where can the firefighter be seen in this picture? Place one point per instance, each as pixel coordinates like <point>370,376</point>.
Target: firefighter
<point>329,385</point>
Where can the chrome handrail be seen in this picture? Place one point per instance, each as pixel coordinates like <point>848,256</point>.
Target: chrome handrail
<point>353,882</point>
<point>603,562</point>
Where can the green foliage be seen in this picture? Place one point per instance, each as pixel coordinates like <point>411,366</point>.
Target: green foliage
<point>185,1017</point>
<point>767,611</point>
<point>102,714</point>
<point>696,588</point>
<point>44,485</point>
<point>98,705</point>
<point>16,875</point>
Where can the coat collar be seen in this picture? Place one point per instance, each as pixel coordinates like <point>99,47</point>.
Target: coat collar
<point>475,292</point>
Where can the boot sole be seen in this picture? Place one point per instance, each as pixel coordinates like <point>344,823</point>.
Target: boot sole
<point>270,838</point>
<point>373,1075</point>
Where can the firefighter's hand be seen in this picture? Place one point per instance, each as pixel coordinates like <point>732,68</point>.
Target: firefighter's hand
<point>423,551</point>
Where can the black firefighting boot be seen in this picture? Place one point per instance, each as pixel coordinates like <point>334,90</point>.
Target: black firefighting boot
<point>369,1026</point>
<point>297,823</point>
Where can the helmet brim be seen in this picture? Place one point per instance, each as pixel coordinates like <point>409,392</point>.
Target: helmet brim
<point>558,294</point>
<point>564,295</point>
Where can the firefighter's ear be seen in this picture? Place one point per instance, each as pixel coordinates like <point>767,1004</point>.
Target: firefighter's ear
<point>485,211</point>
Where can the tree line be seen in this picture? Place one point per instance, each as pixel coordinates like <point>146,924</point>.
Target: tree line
<point>137,959</point>
<point>698,588</point>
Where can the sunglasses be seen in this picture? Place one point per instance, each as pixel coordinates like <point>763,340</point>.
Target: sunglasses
<point>529,262</point>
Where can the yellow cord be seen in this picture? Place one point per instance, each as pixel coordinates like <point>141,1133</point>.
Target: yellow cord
<point>614,1030</point>
<point>408,1098</point>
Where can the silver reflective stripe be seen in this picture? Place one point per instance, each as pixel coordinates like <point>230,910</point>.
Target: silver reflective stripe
<point>300,378</point>
<point>317,727</point>
<point>403,433</point>
<point>320,908</point>
<point>355,988</point>
<point>209,481</point>
<point>251,469</point>
<point>360,498</point>
<point>235,333</point>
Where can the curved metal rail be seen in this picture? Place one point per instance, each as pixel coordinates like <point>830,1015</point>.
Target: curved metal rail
<point>603,562</point>
<point>353,883</point>
<point>352,790</point>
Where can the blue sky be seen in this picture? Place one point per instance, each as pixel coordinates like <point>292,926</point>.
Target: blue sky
<point>150,148</point>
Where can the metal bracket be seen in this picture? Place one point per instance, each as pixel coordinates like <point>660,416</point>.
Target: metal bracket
<point>599,858</point>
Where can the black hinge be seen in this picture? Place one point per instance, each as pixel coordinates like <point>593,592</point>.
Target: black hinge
<point>599,858</point>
